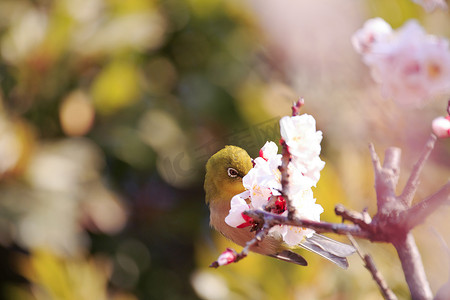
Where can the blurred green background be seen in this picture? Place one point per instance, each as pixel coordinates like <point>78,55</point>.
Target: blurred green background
<point>109,110</point>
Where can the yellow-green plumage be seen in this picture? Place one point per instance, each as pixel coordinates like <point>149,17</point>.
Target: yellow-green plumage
<point>220,187</point>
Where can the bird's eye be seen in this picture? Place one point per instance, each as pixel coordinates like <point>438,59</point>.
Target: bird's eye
<point>232,172</point>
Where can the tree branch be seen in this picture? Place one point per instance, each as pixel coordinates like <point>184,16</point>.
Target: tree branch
<point>419,212</point>
<point>259,236</point>
<point>360,218</point>
<point>386,177</point>
<point>413,181</point>
<point>375,160</point>
<point>320,227</point>
<point>285,160</point>
<point>413,268</point>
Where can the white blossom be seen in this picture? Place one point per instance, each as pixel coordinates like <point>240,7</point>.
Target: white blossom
<point>303,140</point>
<point>235,217</point>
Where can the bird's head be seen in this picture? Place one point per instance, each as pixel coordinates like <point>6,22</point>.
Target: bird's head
<point>224,172</point>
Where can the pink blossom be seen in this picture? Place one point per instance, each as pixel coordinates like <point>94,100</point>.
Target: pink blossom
<point>374,31</point>
<point>411,66</point>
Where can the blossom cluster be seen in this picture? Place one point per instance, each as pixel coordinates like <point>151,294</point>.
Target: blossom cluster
<point>410,65</point>
<point>263,181</point>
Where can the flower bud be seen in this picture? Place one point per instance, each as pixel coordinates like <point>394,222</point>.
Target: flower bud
<point>441,127</point>
<point>227,257</point>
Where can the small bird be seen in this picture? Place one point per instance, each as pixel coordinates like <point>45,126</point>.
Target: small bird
<point>223,180</point>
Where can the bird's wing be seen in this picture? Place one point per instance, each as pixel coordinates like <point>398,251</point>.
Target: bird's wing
<point>332,250</point>
<point>291,257</point>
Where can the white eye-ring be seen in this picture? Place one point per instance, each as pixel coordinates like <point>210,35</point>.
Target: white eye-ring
<point>232,172</point>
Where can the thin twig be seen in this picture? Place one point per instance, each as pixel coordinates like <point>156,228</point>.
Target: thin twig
<point>420,211</point>
<point>362,219</point>
<point>375,160</point>
<point>296,106</point>
<point>376,275</point>
<point>413,181</point>
<point>262,233</point>
<point>377,170</point>
<point>442,242</point>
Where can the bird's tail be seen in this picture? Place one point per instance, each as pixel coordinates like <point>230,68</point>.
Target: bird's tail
<point>332,250</point>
